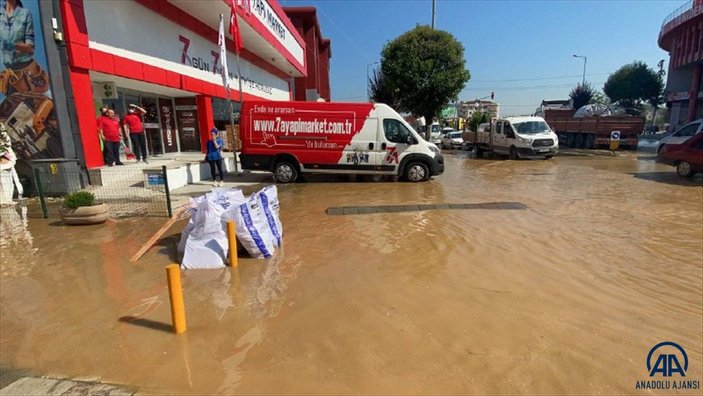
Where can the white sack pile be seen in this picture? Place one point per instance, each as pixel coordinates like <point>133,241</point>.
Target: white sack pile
<point>204,239</point>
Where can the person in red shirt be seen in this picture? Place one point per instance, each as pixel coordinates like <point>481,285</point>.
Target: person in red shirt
<point>133,122</point>
<point>111,134</point>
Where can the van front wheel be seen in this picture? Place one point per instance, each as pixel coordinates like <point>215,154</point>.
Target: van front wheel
<point>416,172</point>
<point>285,172</point>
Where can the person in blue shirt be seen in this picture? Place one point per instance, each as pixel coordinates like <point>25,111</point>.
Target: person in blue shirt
<point>214,156</point>
<point>16,35</point>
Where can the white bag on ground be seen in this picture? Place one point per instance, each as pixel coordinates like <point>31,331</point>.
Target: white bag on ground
<point>206,245</point>
<point>268,197</point>
<point>226,198</point>
<point>253,230</point>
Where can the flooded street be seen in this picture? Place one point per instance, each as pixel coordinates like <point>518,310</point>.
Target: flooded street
<point>566,296</point>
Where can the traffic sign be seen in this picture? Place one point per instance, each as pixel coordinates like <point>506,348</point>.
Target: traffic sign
<point>614,140</point>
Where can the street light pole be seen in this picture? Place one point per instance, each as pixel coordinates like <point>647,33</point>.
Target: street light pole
<point>583,82</point>
<point>368,82</point>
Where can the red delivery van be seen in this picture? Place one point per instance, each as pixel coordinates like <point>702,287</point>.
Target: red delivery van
<point>290,138</point>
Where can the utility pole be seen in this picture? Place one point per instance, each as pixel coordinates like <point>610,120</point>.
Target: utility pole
<point>433,13</point>
<point>583,81</point>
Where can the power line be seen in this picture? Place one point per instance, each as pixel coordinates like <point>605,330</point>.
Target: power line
<point>526,88</point>
<point>540,78</point>
<point>361,52</point>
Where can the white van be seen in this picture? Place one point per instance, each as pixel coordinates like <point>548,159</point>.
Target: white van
<point>290,138</point>
<point>517,137</point>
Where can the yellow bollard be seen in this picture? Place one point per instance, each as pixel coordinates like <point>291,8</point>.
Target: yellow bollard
<point>175,296</point>
<point>232,239</point>
<point>614,145</point>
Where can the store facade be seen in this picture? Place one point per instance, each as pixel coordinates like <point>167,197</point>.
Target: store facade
<point>163,55</point>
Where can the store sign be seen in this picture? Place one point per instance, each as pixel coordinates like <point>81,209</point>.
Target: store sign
<point>263,11</point>
<point>187,107</point>
<point>194,57</point>
<point>104,90</point>
<point>121,28</point>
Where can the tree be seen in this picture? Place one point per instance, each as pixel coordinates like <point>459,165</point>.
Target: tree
<point>380,91</point>
<point>477,118</point>
<point>581,95</point>
<point>425,69</point>
<point>633,84</point>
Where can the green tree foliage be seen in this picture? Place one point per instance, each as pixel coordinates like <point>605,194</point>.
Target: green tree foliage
<point>477,118</point>
<point>425,69</point>
<point>581,95</point>
<point>380,91</point>
<point>633,84</point>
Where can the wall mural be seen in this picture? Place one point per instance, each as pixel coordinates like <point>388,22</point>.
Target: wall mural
<point>26,101</point>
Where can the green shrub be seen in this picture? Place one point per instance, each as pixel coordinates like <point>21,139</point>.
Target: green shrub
<point>78,199</point>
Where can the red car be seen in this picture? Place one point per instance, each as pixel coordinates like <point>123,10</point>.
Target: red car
<point>687,157</point>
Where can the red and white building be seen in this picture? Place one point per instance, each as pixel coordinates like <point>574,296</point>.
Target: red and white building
<point>681,35</point>
<point>163,55</point>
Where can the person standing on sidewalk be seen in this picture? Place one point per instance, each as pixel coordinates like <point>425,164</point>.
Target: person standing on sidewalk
<point>214,156</point>
<point>133,121</point>
<point>110,132</point>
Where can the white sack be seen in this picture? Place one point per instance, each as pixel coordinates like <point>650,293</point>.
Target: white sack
<point>253,230</point>
<point>268,198</point>
<point>206,245</point>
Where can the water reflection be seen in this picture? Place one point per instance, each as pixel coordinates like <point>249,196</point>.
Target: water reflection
<point>579,284</point>
<point>16,241</point>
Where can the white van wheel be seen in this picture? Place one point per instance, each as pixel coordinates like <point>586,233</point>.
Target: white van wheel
<point>285,172</point>
<point>416,172</point>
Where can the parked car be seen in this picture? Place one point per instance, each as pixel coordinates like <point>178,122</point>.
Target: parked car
<point>436,137</point>
<point>687,157</point>
<point>452,140</point>
<point>683,133</point>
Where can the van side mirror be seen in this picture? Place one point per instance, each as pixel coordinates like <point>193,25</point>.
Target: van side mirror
<point>411,140</point>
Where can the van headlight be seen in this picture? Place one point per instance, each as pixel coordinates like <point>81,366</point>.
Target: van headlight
<point>524,140</point>
<point>434,149</point>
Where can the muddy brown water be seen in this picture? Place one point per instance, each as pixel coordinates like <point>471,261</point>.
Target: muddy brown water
<point>566,296</point>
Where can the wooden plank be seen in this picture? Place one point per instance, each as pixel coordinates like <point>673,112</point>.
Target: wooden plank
<point>176,216</point>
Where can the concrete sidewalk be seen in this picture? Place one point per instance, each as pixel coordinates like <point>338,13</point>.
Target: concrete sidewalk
<point>13,382</point>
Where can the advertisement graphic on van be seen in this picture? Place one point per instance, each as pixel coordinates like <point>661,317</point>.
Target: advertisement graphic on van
<point>289,138</point>
<point>326,130</point>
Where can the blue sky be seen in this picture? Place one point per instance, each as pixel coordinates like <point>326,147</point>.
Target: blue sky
<point>522,50</point>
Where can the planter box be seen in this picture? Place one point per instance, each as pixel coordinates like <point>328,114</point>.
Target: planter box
<point>95,214</point>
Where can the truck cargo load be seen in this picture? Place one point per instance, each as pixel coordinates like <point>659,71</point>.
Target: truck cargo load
<point>593,132</point>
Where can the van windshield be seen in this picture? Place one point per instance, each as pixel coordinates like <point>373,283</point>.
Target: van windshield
<point>530,127</point>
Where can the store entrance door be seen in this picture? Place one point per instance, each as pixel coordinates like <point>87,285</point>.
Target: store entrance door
<point>187,118</point>
<point>152,126</point>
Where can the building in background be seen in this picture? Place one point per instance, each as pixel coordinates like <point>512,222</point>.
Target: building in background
<point>468,108</point>
<point>318,51</point>
<point>681,35</point>
<point>160,54</point>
